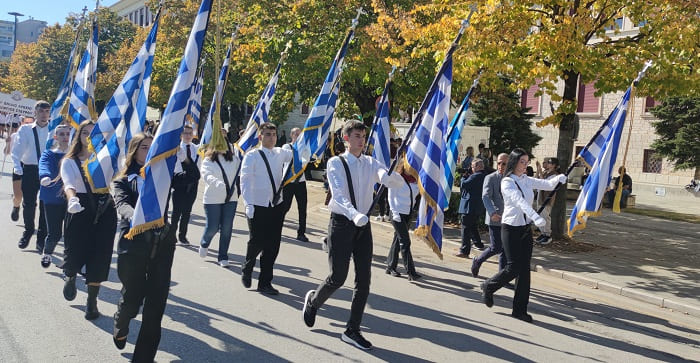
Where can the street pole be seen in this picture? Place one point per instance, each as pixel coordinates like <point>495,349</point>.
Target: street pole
<point>15,14</point>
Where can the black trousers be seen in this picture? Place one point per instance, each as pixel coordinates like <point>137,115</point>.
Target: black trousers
<point>30,191</point>
<point>146,281</point>
<point>402,242</point>
<point>298,191</point>
<point>90,244</point>
<point>517,245</point>
<point>265,235</point>
<point>346,240</point>
<point>383,203</point>
<point>469,229</point>
<point>183,199</point>
<point>55,214</point>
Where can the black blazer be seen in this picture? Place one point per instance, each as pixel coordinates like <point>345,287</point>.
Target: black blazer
<point>126,194</point>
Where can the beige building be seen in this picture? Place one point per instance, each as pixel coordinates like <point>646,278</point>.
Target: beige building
<point>135,11</point>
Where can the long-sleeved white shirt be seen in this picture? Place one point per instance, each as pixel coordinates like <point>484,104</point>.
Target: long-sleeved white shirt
<point>302,177</point>
<point>256,188</point>
<point>71,176</point>
<point>515,203</point>
<point>365,171</point>
<point>182,155</point>
<point>402,199</point>
<point>23,149</point>
<point>214,184</point>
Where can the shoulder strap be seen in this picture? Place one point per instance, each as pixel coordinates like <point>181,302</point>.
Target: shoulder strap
<point>36,145</point>
<point>410,190</point>
<point>228,185</point>
<point>349,179</point>
<point>523,194</point>
<point>275,190</point>
<point>88,190</point>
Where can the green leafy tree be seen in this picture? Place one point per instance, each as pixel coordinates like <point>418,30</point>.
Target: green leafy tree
<point>679,132</point>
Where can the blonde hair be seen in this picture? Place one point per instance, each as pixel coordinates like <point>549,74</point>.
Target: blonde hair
<point>134,145</point>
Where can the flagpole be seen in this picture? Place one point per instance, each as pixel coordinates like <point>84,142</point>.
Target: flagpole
<point>387,84</point>
<point>590,142</point>
<point>419,116</point>
<point>462,107</point>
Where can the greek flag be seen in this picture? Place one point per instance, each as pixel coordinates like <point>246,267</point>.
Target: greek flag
<point>82,98</point>
<point>250,140</point>
<point>160,161</point>
<point>454,136</point>
<point>194,107</point>
<point>123,116</point>
<point>379,142</point>
<point>313,139</point>
<point>218,95</point>
<point>58,108</point>
<point>602,152</point>
<point>425,159</point>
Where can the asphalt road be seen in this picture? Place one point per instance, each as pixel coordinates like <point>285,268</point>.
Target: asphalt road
<point>211,317</point>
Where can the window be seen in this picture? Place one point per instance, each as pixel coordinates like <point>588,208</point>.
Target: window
<point>587,101</point>
<point>650,103</point>
<point>642,23</point>
<point>617,25</point>
<point>529,101</point>
<point>141,17</point>
<point>304,109</point>
<point>652,162</point>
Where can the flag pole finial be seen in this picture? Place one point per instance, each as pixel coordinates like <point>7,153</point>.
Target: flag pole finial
<point>647,64</point>
<point>356,20</point>
<point>393,70</point>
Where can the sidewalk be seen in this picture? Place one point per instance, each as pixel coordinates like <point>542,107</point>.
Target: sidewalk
<point>643,258</point>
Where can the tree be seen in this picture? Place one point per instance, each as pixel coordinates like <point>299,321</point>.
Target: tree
<point>679,132</point>
<point>510,123</point>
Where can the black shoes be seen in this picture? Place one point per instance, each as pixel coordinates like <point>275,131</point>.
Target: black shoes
<point>69,290</point>
<point>246,280</point>
<point>119,338</point>
<point>479,246</point>
<point>302,238</point>
<point>91,312</point>
<point>544,239</point>
<point>393,272</point>
<point>486,296</point>
<point>355,338</point>
<point>183,239</point>
<point>14,215</point>
<point>309,312</point>
<point>267,290</point>
<point>45,261</point>
<point>475,269</point>
<point>413,276</point>
<point>524,317</point>
<point>24,241</point>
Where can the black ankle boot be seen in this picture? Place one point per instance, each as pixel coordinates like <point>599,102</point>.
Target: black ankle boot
<point>91,312</point>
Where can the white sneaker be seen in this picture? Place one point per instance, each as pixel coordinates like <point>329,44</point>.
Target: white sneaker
<point>203,251</point>
<point>386,219</point>
<point>378,218</point>
<point>223,263</point>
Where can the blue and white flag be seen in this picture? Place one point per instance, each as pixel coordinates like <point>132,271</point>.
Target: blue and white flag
<point>82,98</point>
<point>194,106</point>
<point>379,141</point>
<point>602,152</point>
<point>425,159</point>
<point>453,138</point>
<point>216,98</point>
<point>160,161</point>
<point>123,116</point>
<point>250,140</point>
<point>59,108</point>
<point>313,139</point>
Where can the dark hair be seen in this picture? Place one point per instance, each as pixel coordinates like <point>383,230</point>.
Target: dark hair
<point>77,146</point>
<point>187,126</point>
<point>267,126</point>
<point>41,104</point>
<point>513,159</point>
<point>130,158</point>
<point>481,146</point>
<point>213,155</point>
<point>353,125</point>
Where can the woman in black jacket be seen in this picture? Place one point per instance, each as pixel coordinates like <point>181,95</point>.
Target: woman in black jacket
<point>143,263</point>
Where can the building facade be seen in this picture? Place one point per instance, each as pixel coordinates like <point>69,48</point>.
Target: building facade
<point>135,11</point>
<point>28,31</point>
<point>7,36</point>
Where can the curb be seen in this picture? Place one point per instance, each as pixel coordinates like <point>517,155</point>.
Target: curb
<point>629,292</point>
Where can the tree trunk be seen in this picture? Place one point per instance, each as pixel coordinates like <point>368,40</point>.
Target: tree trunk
<point>565,149</point>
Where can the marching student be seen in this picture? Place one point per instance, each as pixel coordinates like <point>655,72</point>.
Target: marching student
<point>91,224</point>
<point>51,191</point>
<point>220,198</point>
<point>144,263</point>
<point>401,201</point>
<point>16,178</point>
<point>351,177</point>
<point>26,152</point>
<point>262,175</point>
<point>296,189</point>
<point>185,182</point>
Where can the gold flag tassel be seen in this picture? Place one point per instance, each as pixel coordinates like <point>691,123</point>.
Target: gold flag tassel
<point>618,191</point>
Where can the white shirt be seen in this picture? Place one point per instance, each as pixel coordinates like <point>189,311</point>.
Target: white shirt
<point>256,188</point>
<point>214,183</point>
<point>514,204</point>
<point>71,176</point>
<point>400,198</point>
<point>4,119</point>
<point>23,149</point>
<point>365,171</point>
<point>182,155</point>
<point>302,177</point>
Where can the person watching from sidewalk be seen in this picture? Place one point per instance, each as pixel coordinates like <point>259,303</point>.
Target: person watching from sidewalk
<point>297,190</point>
<point>471,208</point>
<point>516,232</point>
<point>548,170</point>
<point>351,177</point>
<point>626,188</point>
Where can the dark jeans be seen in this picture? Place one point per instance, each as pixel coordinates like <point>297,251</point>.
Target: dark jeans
<point>219,219</point>
<point>183,199</point>
<point>55,214</point>
<point>517,245</point>
<point>146,281</point>
<point>346,240</point>
<point>298,191</point>
<point>383,203</point>
<point>469,230</point>
<point>265,235</point>
<point>495,248</point>
<point>610,194</point>
<point>30,191</point>
<point>402,241</point>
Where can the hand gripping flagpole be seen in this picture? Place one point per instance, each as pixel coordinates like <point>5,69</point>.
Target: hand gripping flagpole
<point>387,84</point>
<point>419,116</point>
<point>595,136</point>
